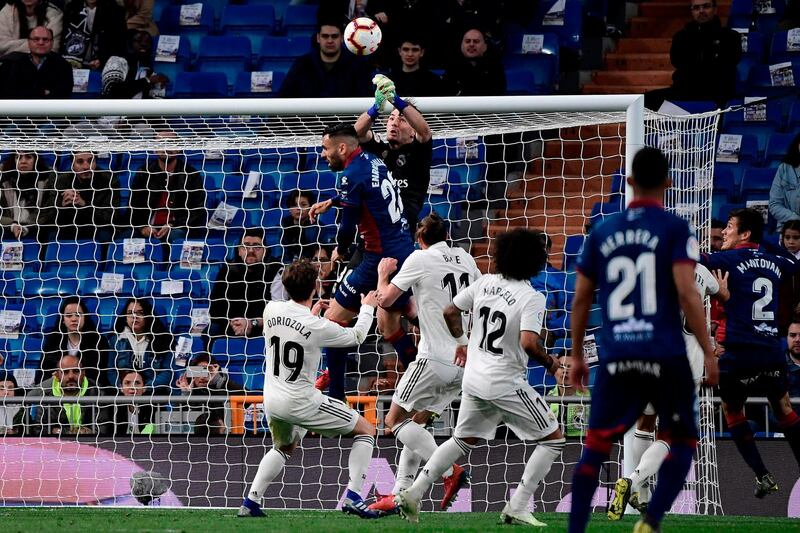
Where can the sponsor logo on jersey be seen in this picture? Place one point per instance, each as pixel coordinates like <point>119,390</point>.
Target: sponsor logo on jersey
<point>649,368</point>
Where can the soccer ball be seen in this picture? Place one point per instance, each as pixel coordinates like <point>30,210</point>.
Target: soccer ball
<point>362,36</point>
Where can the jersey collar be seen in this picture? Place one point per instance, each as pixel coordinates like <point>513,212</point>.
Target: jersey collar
<point>439,245</point>
<point>355,154</point>
<point>645,202</point>
<point>751,245</point>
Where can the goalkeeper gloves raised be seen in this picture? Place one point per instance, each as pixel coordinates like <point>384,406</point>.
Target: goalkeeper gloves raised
<point>385,93</point>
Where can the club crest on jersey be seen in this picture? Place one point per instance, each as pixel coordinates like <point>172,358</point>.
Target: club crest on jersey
<point>401,160</point>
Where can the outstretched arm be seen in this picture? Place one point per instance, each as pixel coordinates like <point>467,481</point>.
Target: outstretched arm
<point>584,291</point>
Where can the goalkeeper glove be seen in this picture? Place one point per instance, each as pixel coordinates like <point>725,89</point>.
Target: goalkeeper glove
<point>379,105</point>
<point>386,86</point>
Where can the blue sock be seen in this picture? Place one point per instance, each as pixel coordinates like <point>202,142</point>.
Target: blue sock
<point>742,435</point>
<point>584,482</point>
<point>337,363</point>
<point>352,496</point>
<point>404,346</point>
<point>671,477</point>
<point>250,504</point>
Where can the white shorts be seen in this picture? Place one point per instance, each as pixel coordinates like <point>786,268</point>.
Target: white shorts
<point>522,410</point>
<point>696,362</point>
<point>428,385</point>
<point>331,418</point>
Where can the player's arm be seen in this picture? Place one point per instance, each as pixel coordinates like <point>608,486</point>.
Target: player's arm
<point>364,124</point>
<point>414,119</point>
<point>581,303</point>
<point>336,336</point>
<point>388,292</point>
<point>384,87</point>
<point>693,310</point>
<point>532,344</point>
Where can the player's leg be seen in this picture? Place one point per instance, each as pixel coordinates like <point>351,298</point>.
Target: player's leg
<point>285,438</point>
<point>360,456</point>
<point>788,419</point>
<point>336,358</point>
<point>647,456</point>
<point>391,327</point>
<point>530,418</point>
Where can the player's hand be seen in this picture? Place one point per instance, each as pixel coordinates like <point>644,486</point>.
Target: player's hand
<point>386,267</point>
<point>370,298</point>
<point>579,373</point>
<point>712,371</point>
<point>240,326</point>
<point>385,86</point>
<point>722,280</point>
<point>461,355</point>
<point>554,365</point>
<point>319,208</point>
<point>320,306</point>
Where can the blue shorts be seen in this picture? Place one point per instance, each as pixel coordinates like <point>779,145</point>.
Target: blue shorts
<point>746,371</point>
<point>361,280</point>
<point>623,389</point>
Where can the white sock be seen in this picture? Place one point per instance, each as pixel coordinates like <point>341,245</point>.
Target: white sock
<point>269,467</point>
<point>537,467</point>
<point>649,464</point>
<point>641,442</point>
<point>420,441</point>
<point>442,459</point>
<point>360,456</point>
<point>407,468</point>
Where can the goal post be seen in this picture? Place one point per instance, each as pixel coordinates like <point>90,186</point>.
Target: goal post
<point>498,162</point>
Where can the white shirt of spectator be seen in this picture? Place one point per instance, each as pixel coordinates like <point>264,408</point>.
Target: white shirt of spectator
<point>433,274</point>
<point>496,363</point>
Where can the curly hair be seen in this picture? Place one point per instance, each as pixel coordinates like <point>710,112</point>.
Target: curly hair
<point>520,253</point>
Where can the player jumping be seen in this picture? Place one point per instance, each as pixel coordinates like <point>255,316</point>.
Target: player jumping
<point>642,261</point>
<point>295,333</point>
<point>507,313</point>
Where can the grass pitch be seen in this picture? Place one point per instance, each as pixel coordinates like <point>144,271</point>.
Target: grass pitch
<point>193,520</point>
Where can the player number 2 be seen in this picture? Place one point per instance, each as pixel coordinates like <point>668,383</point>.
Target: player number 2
<point>628,272</point>
<point>762,285</point>
<point>449,283</point>
<point>291,355</point>
<point>390,192</point>
<point>489,338</point>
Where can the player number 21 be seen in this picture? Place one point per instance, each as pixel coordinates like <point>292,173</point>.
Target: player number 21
<point>628,272</point>
<point>390,192</point>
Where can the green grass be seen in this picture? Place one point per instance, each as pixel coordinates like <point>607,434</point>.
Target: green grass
<point>191,520</point>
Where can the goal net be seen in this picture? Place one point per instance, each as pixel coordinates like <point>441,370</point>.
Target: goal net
<point>86,270</point>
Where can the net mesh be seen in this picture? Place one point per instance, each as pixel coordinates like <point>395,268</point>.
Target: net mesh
<point>559,172</point>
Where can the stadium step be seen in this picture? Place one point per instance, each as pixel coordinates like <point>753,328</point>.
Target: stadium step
<point>656,26</point>
<point>676,9</point>
<point>629,61</point>
<point>574,148</point>
<point>633,77</point>
<point>575,167</point>
<point>548,222</point>
<point>593,132</point>
<point>644,45</point>
<point>594,88</point>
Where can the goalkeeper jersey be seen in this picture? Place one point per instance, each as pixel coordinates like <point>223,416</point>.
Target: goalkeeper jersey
<point>294,341</point>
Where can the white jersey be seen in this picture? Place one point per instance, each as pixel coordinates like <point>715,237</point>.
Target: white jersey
<point>294,341</point>
<point>501,309</point>
<point>436,275</point>
<point>707,285</point>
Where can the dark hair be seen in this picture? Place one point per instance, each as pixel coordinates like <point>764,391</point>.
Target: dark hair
<point>9,376</point>
<point>329,21</point>
<point>124,372</point>
<point>650,168</point>
<point>792,157</point>
<point>294,194</point>
<point>790,224</point>
<point>548,242</point>
<point>309,251</point>
<point>155,330</point>
<point>717,224</point>
<point>88,323</point>
<point>40,12</point>
<point>432,229</point>
<point>749,220</point>
<point>340,129</point>
<point>203,357</point>
<point>10,163</point>
<point>300,280</point>
<point>519,254</point>
<point>254,232</point>
<point>413,38</point>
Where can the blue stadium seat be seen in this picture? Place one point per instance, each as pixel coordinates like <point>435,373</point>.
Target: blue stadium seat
<point>269,219</point>
<point>49,285</point>
<point>243,87</point>
<point>153,257</point>
<point>760,80</point>
<point>216,5</point>
<point>10,284</point>
<point>94,89</point>
<point>172,69</point>
<point>273,160</point>
<point>572,249</point>
<point>81,252</point>
<point>600,210</point>
<point>300,19</point>
<point>201,85</point>
<point>177,311</point>
<point>777,50</point>
<point>532,79</point>
<point>756,183</point>
<point>227,54</point>
<point>569,33</point>
<point>238,349</point>
<point>793,124</point>
<point>734,123</point>
<point>40,315</point>
<point>777,147</point>
<point>515,40</point>
<point>93,286</point>
<point>280,50</point>
<point>748,156</point>
<point>106,310</point>
<point>726,182</point>
<point>170,25</point>
<point>756,46</point>
<point>251,21</point>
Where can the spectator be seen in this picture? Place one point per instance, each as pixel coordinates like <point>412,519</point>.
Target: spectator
<point>40,73</point>
<point>27,201</point>
<point>705,56</point>
<point>132,76</point>
<point>139,15</point>
<point>553,284</point>
<point>129,419</point>
<point>790,237</point>
<point>142,342</point>
<point>573,418</point>
<point>69,381</point>
<point>19,17</point>
<point>298,233</point>
<point>95,31</point>
<point>784,196</point>
<point>168,198</point>
<point>86,201</point>
<point>243,289</point>
<point>716,234</point>
<point>476,72</point>
<point>789,295</point>
<point>410,78</point>
<point>209,380</point>
<point>76,335</point>
<point>11,415</point>
<point>321,258</point>
<point>793,359</point>
<point>326,72</point>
